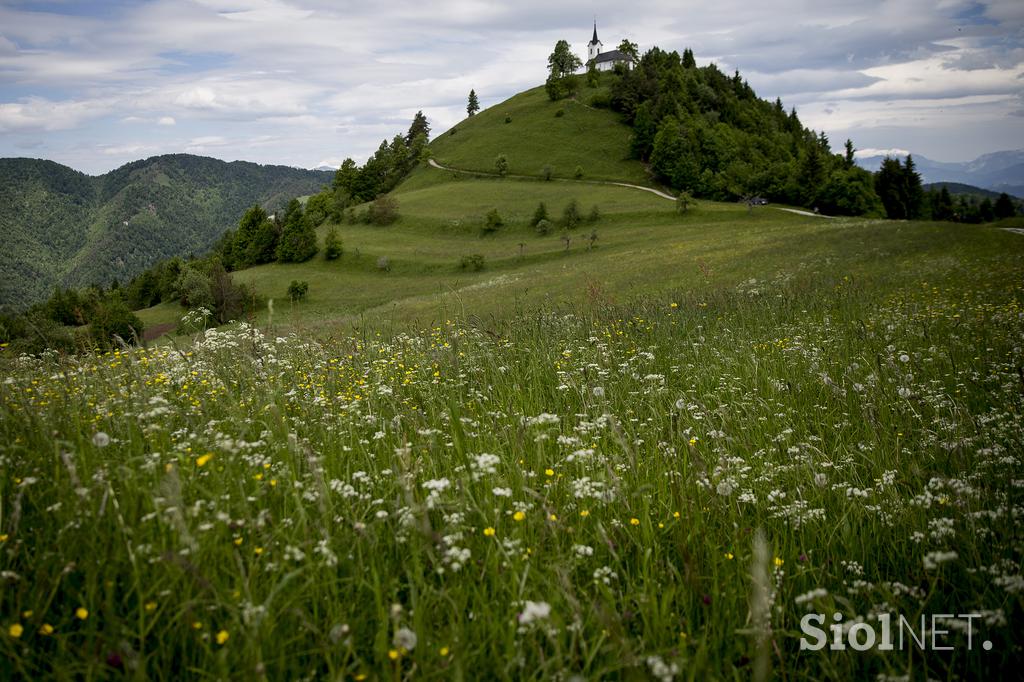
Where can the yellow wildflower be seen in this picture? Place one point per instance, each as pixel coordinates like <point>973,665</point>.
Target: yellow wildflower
<point>489,531</point>
<point>779,562</point>
<point>81,613</point>
<point>15,630</point>
<point>46,629</point>
<point>634,521</point>
<point>518,516</point>
<point>444,651</point>
<point>222,637</point>
<point>203,459</point>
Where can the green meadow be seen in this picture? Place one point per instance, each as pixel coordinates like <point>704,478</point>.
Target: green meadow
<point>643,448</point>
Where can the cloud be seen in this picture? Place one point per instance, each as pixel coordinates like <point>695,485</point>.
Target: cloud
<point>298,81</point>
<point>39,114</point>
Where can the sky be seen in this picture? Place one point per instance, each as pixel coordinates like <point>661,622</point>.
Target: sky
<point>306,83</point>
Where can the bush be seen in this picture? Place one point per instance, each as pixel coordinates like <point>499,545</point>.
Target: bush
<point>508,118</point>
<point>560,113</point>
<point>384,264</point>
<point>544,227</point>
<point>540,214</point>
<point>492,222</point>
<point>601,100</point>
<point>111,318</point>
<point>297,290</point>
<point>501,165</point>
<point>595,214</point>
<point>571,215</point>
<point>332,244</point>
<point>578,173</point>
<point>383,211</point>
<point>472,262</point>
<point>547,172</point>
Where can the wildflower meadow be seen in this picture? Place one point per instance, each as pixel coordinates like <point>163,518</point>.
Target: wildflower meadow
<point>654,489</point>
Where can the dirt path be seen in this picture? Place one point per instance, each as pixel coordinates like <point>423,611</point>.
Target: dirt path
<point>1017,230</point>
<point>663,195</point>
<point>799,212</point>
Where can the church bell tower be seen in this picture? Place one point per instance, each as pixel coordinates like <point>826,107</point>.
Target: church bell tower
<point>594,46</point>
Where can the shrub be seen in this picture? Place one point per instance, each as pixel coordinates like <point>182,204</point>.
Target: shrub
<point>540,214</point>
<point>472,262</point>
<point>383,264</point>
<point>383,211</point>
<point>547,172</point>
<point>595,214</point>
<point>578,173</point>
<point>501,165</point>
<point>332,245</point>
<point>508,118</point>
<point>297,290</point>
<point>493,221</point>
<point>601,100</point>
<point>571,215</point>
<point>111,318</point>
<point>560,113</point>
<point>684,201</point>
<point>544,227</point>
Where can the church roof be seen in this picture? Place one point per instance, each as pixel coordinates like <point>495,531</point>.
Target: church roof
<point>594,40</point>
<point>612,56</point>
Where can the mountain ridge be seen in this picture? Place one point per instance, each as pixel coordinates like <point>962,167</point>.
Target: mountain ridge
<point>67,228</point>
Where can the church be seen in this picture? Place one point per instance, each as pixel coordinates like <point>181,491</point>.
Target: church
<point>605,61</point>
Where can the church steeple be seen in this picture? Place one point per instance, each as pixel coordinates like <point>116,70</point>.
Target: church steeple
<point>594,46</point>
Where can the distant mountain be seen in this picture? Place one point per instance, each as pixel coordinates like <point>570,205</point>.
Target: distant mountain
<point>62,227</point>
<point>998,171</point>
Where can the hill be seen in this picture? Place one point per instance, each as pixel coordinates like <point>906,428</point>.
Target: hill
<point>65,228</point>
<point>563,135</point>
<point>959,188</point>
<point>998,172</point>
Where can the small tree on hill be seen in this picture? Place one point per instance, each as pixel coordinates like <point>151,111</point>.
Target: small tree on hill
<point>383,211</point>
<point>332,244</point>
<point>571,215</point>
<point>540,214</point>
<point>683,202</point>
<point>493,221</point>
<point>501,165</point>
<point>419,126</point>
<point>473,105</point>
<point>297,290</point>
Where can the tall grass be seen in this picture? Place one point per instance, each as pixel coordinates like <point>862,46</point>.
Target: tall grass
<point>570,493</point>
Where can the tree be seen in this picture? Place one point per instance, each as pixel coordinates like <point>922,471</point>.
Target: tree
<point>419,126</point>
<point>297,290</point>
<point>540,214</point>
<point>848,157</point>
<point>332,244</point>
<point>492,222</point>
<point>688,61</point>
<point>263,248</point>
<point>111,318</point>
<point>942,205</point>
<point>562,61</point>
<point>571,215</point>
<point>899,187</point>
<point>193,287</point>
<point>683,202</point>
<point>562,64</point>
<point>501,165</point>
<point>1004,207</point>
<point>630,48</point>
<point>473,105</point>
<point>383,211</point>
<point>298,239</point>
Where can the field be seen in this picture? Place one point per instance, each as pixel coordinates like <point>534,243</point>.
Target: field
<point>645,460</point>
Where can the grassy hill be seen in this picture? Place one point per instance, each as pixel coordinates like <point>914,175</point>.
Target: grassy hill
<point>66,228</point>
<point>537,136</point>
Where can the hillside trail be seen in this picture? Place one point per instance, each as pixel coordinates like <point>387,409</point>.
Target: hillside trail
<point>663,195</point>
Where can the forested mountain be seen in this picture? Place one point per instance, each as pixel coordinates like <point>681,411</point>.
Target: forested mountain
<point>65,228</point>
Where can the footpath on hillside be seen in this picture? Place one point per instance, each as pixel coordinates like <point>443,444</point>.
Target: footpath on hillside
<point>663,195</point>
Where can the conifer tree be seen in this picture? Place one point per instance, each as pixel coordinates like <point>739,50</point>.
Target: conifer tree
<point>473,105</point>
<point>298,239</point>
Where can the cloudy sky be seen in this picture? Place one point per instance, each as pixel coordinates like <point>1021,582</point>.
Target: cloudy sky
<point>308,82</point>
